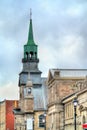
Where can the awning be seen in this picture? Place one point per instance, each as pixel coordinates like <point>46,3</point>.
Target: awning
<point>84,125</point>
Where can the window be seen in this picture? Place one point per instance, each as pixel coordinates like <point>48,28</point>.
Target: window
<point>31,54</point>
<point>41,121</point>
<point>68,110</point>
<point>29,90</point>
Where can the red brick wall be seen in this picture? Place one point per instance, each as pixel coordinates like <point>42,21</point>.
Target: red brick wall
<point>9,115</point>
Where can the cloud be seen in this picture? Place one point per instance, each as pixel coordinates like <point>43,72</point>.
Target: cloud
<point>9,91</point>
<point>59,30</point>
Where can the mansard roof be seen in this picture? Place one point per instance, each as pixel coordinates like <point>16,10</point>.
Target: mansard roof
<point>40,96</point>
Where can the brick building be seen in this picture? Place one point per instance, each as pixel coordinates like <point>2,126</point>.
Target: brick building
<point>6,114</point>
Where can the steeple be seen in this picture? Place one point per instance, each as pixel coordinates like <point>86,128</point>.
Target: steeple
<point>30,49</point>
<point>30,35</point>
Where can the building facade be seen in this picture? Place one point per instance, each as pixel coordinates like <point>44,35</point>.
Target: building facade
<point>61,83</point>
<point>32,109</point>
<point>42,101</point>
<point>6,114</point>
<point>81,109</point>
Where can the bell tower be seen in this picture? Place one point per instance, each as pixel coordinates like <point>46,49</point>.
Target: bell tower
<point>30,49</point>
<point>30,60</point>
<point>32,87</point>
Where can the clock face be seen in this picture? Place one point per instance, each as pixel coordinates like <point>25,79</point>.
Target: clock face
<point>23,78</point>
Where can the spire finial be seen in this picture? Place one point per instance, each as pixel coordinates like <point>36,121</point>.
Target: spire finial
<point>30,13</point>
<point>30,35</point>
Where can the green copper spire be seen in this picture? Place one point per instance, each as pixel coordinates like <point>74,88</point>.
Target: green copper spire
<point>30,49</point>
<point>30,35</point>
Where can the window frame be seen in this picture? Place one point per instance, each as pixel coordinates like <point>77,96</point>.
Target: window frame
<point>41,123</point>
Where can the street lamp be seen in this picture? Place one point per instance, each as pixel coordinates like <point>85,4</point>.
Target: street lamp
<point>75,102</point>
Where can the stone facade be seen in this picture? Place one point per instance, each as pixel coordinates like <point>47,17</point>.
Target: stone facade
<point>20,121</point>
<point>2,116</point>
<point>81,112</point>
<point>60,84</point>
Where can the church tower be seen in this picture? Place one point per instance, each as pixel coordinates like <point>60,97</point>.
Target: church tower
<point>30,60</point>
<point>32,88</point>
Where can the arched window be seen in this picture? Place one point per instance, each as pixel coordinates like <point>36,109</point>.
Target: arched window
<point>41,121</point>
<point>31,54</point>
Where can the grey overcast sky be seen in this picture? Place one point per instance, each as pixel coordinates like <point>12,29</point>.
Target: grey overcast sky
<point>60,31</point>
